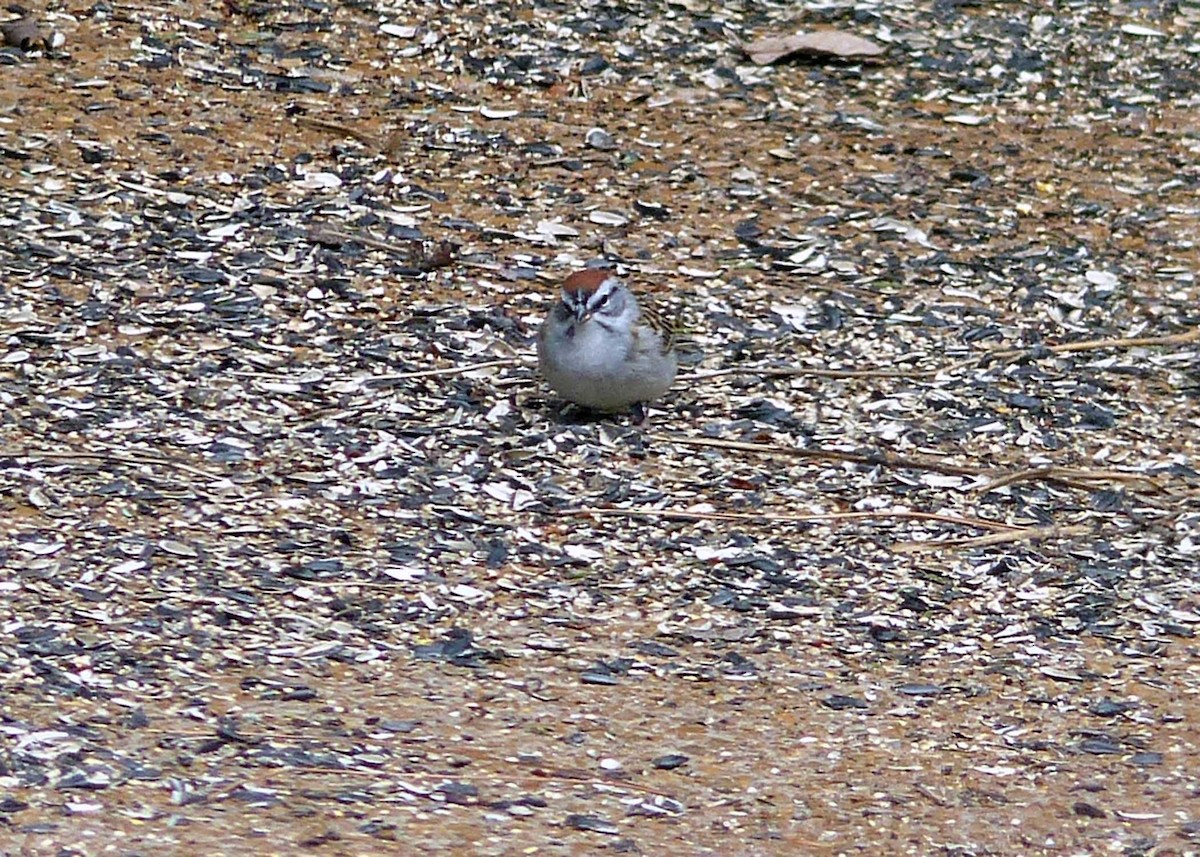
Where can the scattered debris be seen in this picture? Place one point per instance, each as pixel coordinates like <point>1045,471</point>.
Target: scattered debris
<point>295,538</point>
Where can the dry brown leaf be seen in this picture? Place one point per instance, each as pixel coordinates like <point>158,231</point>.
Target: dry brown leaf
<point>823,43</point>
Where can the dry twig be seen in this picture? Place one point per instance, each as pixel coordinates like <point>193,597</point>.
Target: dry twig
<point>369,140</point>
<point>421,255</point>
<point>1071,477</point>
<point>109,457</point>
<point>804,518</point>
<point>1028,534</point>
<point>1187,337</point>
<point>443,372</point>
<point>1184,338</point>
<point>799,371</point>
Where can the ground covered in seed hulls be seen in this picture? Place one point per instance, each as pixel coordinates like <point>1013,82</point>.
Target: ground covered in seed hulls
<point>297,554</point>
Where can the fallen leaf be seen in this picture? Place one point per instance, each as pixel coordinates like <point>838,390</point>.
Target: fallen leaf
<point>821,44</point>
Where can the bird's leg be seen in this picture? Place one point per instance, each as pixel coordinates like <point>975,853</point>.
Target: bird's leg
<point>639,413</point>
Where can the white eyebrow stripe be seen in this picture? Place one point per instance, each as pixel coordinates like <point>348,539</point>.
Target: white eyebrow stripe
<point>603,293</point>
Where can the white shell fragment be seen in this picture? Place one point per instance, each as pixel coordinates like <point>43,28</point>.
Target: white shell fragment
<point>966,119</point>
<point>1139,30</point>
<point>1105,280</point>
<point>607,218</point>
<point>556,229</point>
<point>498,113</point>
<point>399,31</point>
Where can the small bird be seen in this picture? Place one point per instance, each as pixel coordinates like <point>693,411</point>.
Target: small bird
<point>600,348</point>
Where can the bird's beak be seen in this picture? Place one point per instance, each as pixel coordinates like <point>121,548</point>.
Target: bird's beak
<point>582,314</point>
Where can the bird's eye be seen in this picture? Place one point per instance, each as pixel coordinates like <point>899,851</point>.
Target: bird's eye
<point>603,300</point>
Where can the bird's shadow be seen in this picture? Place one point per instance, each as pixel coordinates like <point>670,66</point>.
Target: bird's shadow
<point>571,414</point>
<point>568,413</point>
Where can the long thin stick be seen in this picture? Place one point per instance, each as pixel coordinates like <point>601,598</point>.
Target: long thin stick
<point>325,234</point>
<point>1128,342</point>
<point>108,456</point>
<point>1073,476</point>
<point>877,457</point>
<point>1068,476</point>
<point>1029,534</point>
<point>447,370</point>
<point>999,354</point>
<point>339,128</point>
<point>815,517</point>
<point>798,371</point>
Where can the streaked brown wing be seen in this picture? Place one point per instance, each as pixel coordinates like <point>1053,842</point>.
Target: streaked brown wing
<point>661,322</point>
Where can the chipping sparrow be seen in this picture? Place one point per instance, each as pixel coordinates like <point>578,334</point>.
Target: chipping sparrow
<point>600,348</point>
